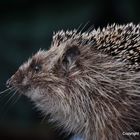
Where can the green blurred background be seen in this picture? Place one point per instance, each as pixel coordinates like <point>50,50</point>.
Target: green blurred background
<point>25,27</point>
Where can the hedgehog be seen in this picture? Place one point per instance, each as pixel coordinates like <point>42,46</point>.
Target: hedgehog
<point>88,82</point>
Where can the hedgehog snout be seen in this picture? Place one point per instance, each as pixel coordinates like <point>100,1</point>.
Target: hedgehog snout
<point>15,80</point>
<point>8,83</point>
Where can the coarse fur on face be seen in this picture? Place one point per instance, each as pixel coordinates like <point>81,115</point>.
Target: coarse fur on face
<point>85,89</point>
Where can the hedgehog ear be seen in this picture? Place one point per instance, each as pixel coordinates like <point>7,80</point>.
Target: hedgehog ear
<point>70,56</point>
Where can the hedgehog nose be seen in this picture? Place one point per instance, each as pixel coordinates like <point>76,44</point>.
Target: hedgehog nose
<point>8,83</point>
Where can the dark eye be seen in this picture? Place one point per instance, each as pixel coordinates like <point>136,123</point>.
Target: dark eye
<point>37,68</point>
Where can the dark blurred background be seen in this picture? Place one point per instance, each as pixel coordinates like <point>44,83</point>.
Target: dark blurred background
<point>25,27</point>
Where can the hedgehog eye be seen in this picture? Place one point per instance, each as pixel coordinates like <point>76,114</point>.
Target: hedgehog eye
<point>36,67</point>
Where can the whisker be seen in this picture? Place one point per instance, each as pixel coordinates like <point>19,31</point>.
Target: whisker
<point>6,90</point>
<point>3,96</point>
<point>16,100</point>
<point>6,108</point>
<point>10,98</point>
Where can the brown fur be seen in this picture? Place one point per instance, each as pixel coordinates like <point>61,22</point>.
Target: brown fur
<point>87,85</point>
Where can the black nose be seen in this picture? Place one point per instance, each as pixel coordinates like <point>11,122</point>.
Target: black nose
<point>8,83</point>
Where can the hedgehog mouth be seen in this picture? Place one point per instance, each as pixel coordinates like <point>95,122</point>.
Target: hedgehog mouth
<point>19,88</point>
